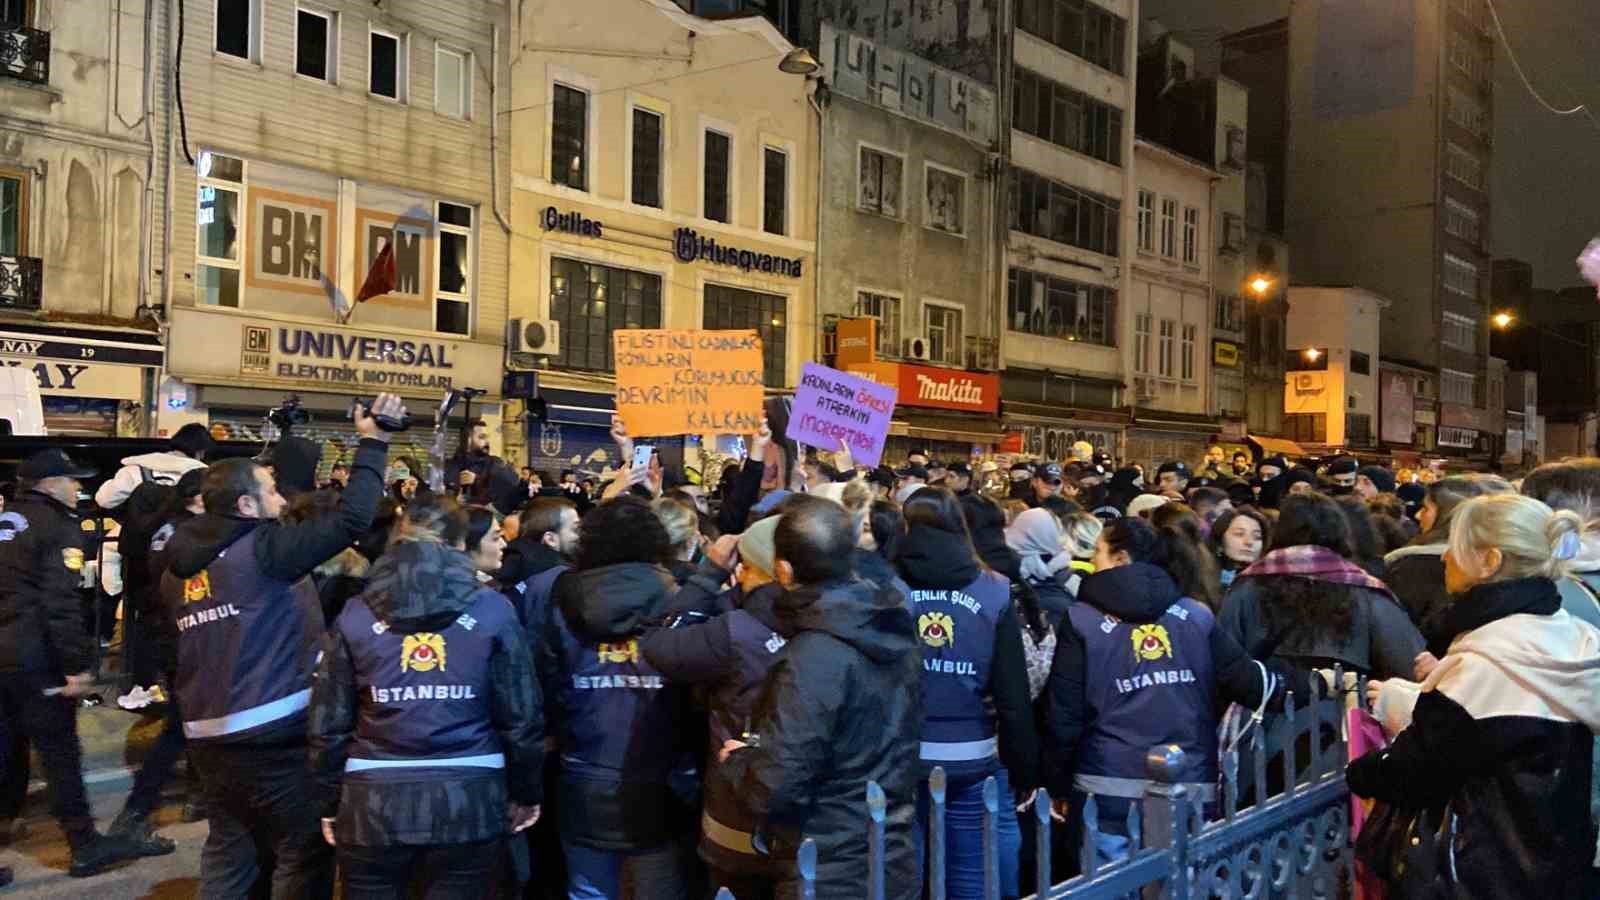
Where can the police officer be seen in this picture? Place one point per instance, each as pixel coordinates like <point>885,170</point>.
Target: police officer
<point>46,653</point>
<point>426,764</point>
<point>249,621</point>
<point>972,658</point>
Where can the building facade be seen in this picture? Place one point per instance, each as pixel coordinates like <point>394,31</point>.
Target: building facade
<point>76,145</point>
<point>1069,89</point>
<point>1331,395</point>
<point>299,141</point>
<point>664,175</point>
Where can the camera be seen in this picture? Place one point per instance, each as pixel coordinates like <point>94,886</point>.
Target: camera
<point>385,423</point>
<point>288,414</point>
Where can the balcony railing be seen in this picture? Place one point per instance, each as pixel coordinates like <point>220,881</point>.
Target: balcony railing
<point>21,282</point>
<point>25,54</point>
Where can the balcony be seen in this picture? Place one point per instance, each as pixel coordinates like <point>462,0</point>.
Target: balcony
<point>21,282</point>
<point>25,53</point>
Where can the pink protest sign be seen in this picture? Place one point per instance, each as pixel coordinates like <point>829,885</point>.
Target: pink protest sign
<point>832,406</point>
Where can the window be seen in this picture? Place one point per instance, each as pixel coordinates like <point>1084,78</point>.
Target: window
<point>236,28</point>
<point>942,325</point>
<point>1079,27</point>
<point>1058,212</point>
<point>1058,308</point>
<point>15,14</point>
<point>1147,221</point>
<point>774,191</point>
<point>316,41</point>
<point>1141,342</point>
<point>453,303</point>
<point>1461,165</point>
<point>886,310</point>
<point>452,83</point>
<point>1191,235</point>
<point>1065,117</point>
<point>716,176</point>
<point>1467,112</point>
<point>879,175</point>
<point>13,213</point>
<point>1460,332</point>
<point>1460,276</point>
<point>386,72</point>
<point>1190,332</point>
<point>1462,221</point>
<point>727,307</point>
<point>945,200</point>
<point>1164,355</point>
<point>590,301</point>
<point>1169,227</point>
<point>646,189</point>
<point>219,232</point>
<point>569,137</point>
<point>1358,430</point>
<point>1360,363</point>
<point>1306,428</point>
<point>1457,387</point>
<point>1230,312</point>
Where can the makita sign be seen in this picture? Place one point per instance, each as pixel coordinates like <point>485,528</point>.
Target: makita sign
<point>934,387</point>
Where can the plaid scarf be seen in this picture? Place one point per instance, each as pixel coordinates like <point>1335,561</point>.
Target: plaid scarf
<point>1318,564</point>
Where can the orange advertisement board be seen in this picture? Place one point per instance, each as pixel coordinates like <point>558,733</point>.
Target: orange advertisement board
<point>856,342</point>
<point>688,382</point>
<point>939,388</point>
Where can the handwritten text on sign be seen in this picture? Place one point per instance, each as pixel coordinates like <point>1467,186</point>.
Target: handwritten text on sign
<point>832,406</point>
<point>688,382</point>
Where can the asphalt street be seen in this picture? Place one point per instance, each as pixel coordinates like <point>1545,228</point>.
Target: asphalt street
<point>40,859</point>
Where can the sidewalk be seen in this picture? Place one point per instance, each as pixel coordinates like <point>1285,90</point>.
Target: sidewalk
<point>114,741</point>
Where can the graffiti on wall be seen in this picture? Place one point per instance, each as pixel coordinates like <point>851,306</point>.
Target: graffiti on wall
<point>956,34</point>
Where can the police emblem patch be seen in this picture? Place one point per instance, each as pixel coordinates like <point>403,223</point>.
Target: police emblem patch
<point>422,652</point>
<point>1150,642</point>
<point>72,558</point>
<point>936,629</point>
<point>197,588</point>
<point>619,653</point>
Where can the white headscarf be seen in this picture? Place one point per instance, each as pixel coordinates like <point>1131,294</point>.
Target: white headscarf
<point>1035,535</point>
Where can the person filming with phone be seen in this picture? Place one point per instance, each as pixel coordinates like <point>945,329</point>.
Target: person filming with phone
<point>249,621</point>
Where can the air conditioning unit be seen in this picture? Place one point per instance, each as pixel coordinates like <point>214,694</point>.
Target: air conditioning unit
<point>1310,382</point>
<point>540,337</point>
<point>917,348</point>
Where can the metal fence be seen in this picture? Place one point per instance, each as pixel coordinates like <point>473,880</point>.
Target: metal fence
<point>1294,844</point>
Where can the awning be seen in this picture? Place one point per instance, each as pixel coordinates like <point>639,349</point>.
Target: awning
<point>82,344</point>
<point>1271,446</point>
<point>956,427</point>
<point>568,407</point>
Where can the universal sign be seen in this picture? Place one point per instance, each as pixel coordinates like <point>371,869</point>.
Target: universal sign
<point>688,246</point>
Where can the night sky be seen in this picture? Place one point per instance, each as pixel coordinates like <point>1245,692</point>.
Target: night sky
<point>1545,180</point>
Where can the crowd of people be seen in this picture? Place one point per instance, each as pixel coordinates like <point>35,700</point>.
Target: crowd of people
<point>532,686</point>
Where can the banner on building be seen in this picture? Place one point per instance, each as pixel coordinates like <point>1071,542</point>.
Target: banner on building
<point>688,382</point>
<point>831,407</point>
<point>907,84</point>
<point>1397,409</point>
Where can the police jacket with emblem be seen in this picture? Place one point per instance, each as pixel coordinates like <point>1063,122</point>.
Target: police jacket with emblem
<point>620,727</point>
<point>727,655</point>
<point>41,566</point>
<point>1138,664</point>
<point>972,656</point>
<point>248,616</point>
<point>425,715</point>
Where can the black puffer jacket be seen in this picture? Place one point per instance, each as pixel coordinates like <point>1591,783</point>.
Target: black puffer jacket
<point>425,587</point>
<point>1380,640</point>
<point>1416,575</point>
<point>41,564</point>
<point>843,706</point>
<point>1498,749</point>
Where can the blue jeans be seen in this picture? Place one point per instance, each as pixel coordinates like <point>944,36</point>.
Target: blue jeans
<point>597,874</point>
<point>963,837</point>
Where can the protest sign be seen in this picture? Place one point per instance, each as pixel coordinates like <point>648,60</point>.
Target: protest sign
<point>832,406</point>
<point>688,382</point>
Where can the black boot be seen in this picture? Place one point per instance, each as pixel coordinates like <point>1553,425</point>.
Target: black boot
<point>94,853</point>
<point>134,828</point>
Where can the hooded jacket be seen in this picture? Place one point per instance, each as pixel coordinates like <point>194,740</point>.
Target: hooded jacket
<point>422,587</point>
<point>934,560</point>
<point>163,468</point>
<point>619,727</point>
<point>842,706</point>
<point>1500,741</point>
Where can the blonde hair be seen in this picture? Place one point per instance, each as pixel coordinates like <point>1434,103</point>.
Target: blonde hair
<point>1079,533</point>
<point>680,520</point>
<point>1534,540</point>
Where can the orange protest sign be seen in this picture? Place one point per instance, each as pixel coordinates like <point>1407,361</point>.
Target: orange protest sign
<point>688,382</point>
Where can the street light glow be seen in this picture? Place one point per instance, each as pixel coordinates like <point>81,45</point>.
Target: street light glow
<point>1503,320</point>
<point>1260,284</point>
<point>1312,353</point>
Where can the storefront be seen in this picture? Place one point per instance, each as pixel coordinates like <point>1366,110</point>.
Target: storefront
<point>94,382</point>
<point>226,370</point>
<point>1043,436</point>
<point>573,431</point>
<point>950,414</point>
<point>1465,431</point>
<point>1158,436</point>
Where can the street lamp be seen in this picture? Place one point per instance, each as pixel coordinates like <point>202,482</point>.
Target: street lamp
<point>1503,320</point>
<point>1311,354</point>
<point>799,61</point>
<point>1260,284</point>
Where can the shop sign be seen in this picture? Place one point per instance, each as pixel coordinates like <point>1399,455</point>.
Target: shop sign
<point>65,379</point>
<point>1055,443</point>
<point>1449,436</point>
<point>930,386</point>
<point>52,347</point>
<point>855,341</point>
<point>1426,417</point>
<point>1225,354</point>
<point>1458,415</point>
<point>552,219</point>
<point>1011,443</point>
<point>689,245</point>
<point>907,85</point>
<point>1397,408</point>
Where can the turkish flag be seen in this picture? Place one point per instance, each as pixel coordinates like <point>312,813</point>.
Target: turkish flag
<point>381,278</point>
